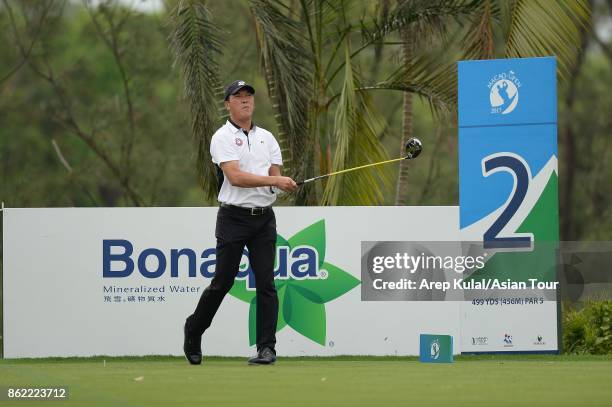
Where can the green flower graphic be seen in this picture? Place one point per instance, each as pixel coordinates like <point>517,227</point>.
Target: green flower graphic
<point>302,301</point>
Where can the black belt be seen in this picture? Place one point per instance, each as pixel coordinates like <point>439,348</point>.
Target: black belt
<point>247,211</point>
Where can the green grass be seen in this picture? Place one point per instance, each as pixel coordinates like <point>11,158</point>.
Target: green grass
<point>348,381</point>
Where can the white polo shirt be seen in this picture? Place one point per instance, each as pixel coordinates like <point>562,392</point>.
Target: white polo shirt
<point>255,153</point>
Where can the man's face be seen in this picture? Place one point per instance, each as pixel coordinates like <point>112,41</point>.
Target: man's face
<point>241,105</point>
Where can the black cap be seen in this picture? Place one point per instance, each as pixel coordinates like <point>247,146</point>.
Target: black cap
<point>235,87</point>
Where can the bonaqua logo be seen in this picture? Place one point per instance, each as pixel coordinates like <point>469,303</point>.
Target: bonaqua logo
<point>504,92</point>
<point>305,281</point>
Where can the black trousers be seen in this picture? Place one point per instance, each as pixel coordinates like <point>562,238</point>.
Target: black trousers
<point>236,229</point>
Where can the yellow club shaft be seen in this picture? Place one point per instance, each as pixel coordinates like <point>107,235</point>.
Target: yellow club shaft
<point>352,169</point>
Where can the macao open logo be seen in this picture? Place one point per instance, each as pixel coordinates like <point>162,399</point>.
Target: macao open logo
<point>435,349</point>
<point>504,92</point>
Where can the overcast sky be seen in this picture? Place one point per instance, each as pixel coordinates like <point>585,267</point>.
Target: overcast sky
<point>141,5</point>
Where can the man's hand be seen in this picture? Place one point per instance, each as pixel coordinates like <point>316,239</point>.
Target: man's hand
<point>286,184</point>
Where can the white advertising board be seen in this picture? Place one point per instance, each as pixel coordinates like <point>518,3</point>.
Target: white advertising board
<point>57,301</point>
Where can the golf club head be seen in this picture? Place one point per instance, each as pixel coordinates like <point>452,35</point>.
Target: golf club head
<point>413,148</point>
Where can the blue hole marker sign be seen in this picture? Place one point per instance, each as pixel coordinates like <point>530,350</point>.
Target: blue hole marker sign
<point>436,348</point>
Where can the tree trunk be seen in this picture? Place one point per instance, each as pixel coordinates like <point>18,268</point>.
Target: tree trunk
<point>568,229</point>
<point>401,193</point>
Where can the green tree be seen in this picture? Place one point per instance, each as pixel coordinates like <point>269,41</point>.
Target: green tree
<point>88,109</point>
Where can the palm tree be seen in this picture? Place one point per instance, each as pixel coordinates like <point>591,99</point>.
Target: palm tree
<point>195,42</point>
<point>310,58</point>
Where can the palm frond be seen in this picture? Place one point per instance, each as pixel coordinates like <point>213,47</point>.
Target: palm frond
<point>544,28</point>
<point>195,43</point>
<point>424,17</point>
<point>478,42</point>
<point>427,76</point>
<point>289,79</point>
<point>337,18</point>
<point>356,134</point>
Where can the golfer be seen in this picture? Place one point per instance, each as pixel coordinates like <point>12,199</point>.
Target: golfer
<point>248,160</point>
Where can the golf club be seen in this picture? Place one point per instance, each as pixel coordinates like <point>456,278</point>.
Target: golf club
<point>413,149</point>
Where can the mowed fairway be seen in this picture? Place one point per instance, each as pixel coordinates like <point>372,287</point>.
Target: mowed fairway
<point>167,381</point>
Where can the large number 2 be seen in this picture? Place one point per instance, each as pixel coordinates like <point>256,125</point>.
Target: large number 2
<point>519,170</point>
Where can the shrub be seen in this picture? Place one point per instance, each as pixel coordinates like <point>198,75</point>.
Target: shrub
<point>588,330</point>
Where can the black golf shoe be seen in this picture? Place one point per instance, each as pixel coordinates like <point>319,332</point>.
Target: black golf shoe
<point>265,356</point>
<point>192,346</point>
